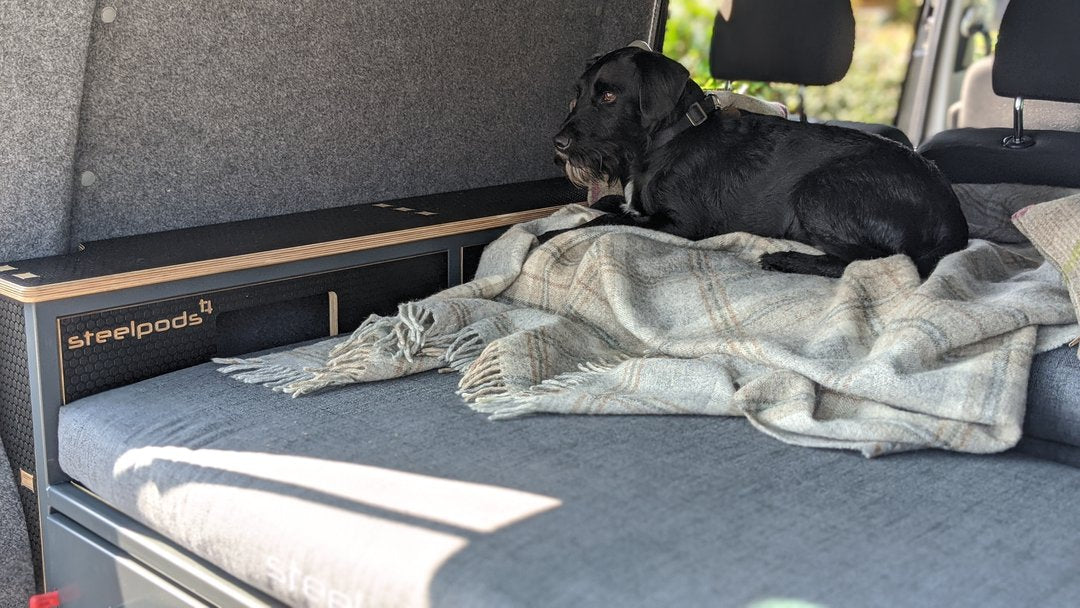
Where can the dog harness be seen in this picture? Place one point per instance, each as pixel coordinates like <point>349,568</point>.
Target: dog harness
<point>698,113</point>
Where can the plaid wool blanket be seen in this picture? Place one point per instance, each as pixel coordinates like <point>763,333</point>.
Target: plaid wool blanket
<point>617,320</point>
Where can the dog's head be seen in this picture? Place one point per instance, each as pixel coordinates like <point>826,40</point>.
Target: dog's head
<point>619,102</point>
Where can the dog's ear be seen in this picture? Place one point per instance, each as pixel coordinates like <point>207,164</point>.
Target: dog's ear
<point>662,83</point>
<point>637,44</point>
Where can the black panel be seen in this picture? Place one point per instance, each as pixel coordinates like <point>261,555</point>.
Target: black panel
<point>16,426</point>
<point>113,256</point>
<point>109,348</point>
<point>470,259</point>
<point>268,325</point>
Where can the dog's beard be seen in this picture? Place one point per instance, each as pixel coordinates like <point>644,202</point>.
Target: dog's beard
<point>580,176</point>
<point>587,167</point>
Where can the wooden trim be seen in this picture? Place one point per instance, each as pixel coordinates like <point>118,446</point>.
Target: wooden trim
<point>60,360</point>
<point>332,301</point>
<point>26,480</point>
<point>461,265</point>
<point>190,270</point>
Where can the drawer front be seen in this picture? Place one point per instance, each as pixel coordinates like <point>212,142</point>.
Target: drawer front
<point>90,573</point>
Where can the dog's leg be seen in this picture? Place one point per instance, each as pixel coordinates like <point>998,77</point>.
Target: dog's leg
<point>612,203</point>
<point>833,217</point>
<point>804,263</point>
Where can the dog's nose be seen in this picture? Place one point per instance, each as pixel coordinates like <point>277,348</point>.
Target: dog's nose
<point>562,141</point>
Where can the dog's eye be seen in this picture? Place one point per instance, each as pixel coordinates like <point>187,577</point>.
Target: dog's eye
<point>607,97</point>
<point>573,104</point>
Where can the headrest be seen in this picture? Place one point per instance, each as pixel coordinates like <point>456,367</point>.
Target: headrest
<point>1038,51</point>
<point>793,41</point>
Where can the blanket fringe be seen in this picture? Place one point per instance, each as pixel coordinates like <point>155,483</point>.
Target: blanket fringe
<point>257,371</point>
<point>318,379</point>
<point>505,405</point>
<point>464,350</point>
<point>483,377</point>
<point>403,336</point>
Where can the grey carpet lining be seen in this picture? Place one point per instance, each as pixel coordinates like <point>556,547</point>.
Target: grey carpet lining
<point>202,112</point>
<point>43,46</point>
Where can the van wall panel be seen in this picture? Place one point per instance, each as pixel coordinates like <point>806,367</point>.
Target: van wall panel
<point>201,112</point>
<point>43,45</point>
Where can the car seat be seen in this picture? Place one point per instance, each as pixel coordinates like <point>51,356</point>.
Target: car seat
<point>1035,58</point>
<point>791,41</point>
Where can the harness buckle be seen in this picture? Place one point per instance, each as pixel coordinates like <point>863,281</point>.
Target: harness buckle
<point>696,114</point>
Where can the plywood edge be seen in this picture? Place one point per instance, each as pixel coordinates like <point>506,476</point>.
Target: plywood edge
<point>202,268</point>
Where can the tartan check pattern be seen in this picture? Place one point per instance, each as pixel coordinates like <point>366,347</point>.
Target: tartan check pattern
<point>1054,228</point>
<point>617,320</point>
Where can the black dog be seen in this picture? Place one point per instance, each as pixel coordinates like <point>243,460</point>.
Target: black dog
<point>696,173</point>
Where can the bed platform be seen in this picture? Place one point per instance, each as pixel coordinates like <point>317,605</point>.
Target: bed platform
<point>395,493</point>
<point>121,310</point>
<point>176,485</point>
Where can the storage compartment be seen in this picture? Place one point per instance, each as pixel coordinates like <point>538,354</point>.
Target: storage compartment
<point>88,572</point>
<point>107,348</point>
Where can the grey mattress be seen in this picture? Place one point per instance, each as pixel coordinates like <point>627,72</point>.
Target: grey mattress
<point>396,494</point>
<point>1052,422</point>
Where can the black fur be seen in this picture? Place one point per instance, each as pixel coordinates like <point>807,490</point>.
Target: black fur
<point>850,194</point>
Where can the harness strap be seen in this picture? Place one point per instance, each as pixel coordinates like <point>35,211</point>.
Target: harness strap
<point>698,113</point>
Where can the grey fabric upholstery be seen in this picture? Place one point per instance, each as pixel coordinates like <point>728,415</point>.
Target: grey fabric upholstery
<point>1050,450</point>
<point>988,208</point>
<point>16,569</point>
<point>1054,397</point>
<point>42,56</point>
<point>662,510</point>
<point>207,111</point>
<point>191,113</point>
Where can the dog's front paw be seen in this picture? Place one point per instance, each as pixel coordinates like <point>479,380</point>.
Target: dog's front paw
<point>773,261</point>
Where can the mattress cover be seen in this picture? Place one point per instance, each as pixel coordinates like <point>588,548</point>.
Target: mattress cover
<point>395,494</point>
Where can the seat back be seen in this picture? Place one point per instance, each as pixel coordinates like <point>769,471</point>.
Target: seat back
<point>792,41</point>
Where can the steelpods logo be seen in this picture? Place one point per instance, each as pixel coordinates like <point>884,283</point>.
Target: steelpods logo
<point>139,330</point>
